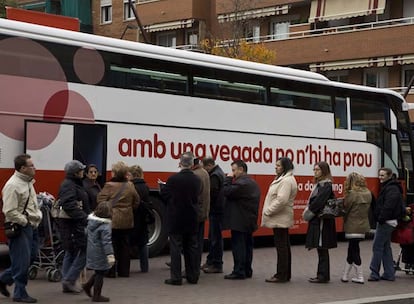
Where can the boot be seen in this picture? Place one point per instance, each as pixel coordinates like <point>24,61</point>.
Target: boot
<point>359,278</point>
<point>88,285</point>
<point>97,289</point>
<point>345,275</point>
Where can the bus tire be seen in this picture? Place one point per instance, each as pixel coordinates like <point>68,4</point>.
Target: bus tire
<point>158,234</point>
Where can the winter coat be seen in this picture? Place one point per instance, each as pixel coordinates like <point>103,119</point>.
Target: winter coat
<point>93,189</point>
<point>357,204</point>
<point>15,194</point>
<point>72,197</point>
<point>389,205</point>
<point>204,197</point>
<point>99,243</point>
<point>278,205</point>
<point>139,234</point>
<point>242,203</point>
<point>122,210</point>
<point>180,194</point>
<point>321,232</point>
<point>216,190</point>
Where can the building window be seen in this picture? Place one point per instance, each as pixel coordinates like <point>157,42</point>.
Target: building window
<point>340,76</point>
<point>167,39</point>
<point>106,11</point>
<point>376,78</point>
<point>279,30</point>
<point>191,37</point>
<point>252,33</point>
<point>128,12</point>
<point>408,73</point>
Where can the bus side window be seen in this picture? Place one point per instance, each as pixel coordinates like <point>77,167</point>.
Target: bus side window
<point>341,113</point>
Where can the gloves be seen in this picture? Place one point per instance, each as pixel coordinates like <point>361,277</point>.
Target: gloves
<point>111,259</point>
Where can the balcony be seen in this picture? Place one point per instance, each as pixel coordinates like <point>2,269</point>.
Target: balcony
<point>158,12</point>
<point>386,40</point>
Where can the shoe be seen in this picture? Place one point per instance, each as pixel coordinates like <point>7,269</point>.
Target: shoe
<point>212,269</point>
<point>173,282</point>
<point>3,289</point>
<point>168,264</point>
<point>233,276</point>
<point>100,299</point>
<point>249,276</point>
<point>68,287</point>
<point>387,279</point>
<point>317,280</point>
<point>204,266</point>
<point>275,280</point>
<point>27,299</point>
<point>372,279</point>
<point>87,289</point>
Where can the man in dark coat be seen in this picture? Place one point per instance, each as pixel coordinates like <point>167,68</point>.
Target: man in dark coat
<point>180,193</point>
<point>241,211</point>
<point>214,263</point>
<point>72,197</point>
<point>388,209</point>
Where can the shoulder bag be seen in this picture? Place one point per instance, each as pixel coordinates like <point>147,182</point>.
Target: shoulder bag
<point>334,207</point>
<point>13,230</point>
<point>118,195</point>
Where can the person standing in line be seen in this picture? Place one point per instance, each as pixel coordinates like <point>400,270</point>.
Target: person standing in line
<point>214,262</point>
<point>203,203</point>
<point>91,185</point>
<point>357,203</point>
<point>388,209</point>
<point>20,207</point>
<point>321,233</point>
<point>100,253</point>
<point>139,234</point>
<point>241,212</point>
<point>124,199</point>
<point>180,194</point>
<point>278,214</point>
<point>72,197</point>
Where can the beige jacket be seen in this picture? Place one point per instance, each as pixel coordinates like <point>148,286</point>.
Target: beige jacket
<point>278,206</point>
<point>204,196</point>
<point>122,210</point>
<point>15,194</point>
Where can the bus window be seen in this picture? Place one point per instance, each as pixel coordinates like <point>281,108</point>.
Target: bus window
<point>370,116</point>
<point>300,100</point>
<point>341,113</point>
<point>149,80</point>
<point>224,89</point>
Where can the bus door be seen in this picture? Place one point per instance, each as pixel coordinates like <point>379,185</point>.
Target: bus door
<point>53,144</point>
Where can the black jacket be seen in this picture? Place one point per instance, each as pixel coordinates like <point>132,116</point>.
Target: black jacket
<point>180,194</point>
<point>139,234</point>
<point>93,190</point>
<point>72,231</point>
<point>242,203</point>
<point>321,233</point>
<point>216,190</point>
<point>389,204</point>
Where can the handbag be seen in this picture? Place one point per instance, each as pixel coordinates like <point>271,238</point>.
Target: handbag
<point>334,207</point>
<point>307,215</point>
<point>13,230</point>
<point>57,211</point>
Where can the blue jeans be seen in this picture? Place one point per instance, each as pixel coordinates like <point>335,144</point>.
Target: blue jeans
<point>215,241</point>
<point>381,250</point>
<point>73,264</point>
<point>21,252</point>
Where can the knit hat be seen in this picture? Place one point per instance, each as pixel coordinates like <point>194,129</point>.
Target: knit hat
<point>73,167</point>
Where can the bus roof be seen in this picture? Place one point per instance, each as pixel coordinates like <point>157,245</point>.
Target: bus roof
<point>33,31</point>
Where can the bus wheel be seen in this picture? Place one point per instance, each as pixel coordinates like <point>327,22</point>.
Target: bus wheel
<point>158,235</point>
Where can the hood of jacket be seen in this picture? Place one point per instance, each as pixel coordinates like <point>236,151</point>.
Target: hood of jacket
<point>94,222</point>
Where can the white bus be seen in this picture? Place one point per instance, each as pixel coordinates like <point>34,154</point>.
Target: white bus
<point>68,95</point>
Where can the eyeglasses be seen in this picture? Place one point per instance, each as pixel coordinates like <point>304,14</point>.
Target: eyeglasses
<point>316,169</point>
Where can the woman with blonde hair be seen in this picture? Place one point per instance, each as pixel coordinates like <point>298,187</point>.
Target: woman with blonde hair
<point>356,223</point>
<point>124,199</point>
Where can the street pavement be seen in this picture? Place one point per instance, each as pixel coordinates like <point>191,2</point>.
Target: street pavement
<point>149,287</point>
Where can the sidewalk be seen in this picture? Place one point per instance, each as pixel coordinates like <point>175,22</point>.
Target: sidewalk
<point>212,288</point>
